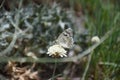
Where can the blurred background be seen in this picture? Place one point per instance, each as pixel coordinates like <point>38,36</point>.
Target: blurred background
<point>29,27</point>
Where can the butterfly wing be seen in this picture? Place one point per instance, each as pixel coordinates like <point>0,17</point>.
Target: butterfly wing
<point>65,38</point>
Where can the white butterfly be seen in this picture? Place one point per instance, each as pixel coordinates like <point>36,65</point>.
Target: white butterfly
<point>65,39</point>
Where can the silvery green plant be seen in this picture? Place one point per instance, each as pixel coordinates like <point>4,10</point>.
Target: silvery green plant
<point>34,26</point>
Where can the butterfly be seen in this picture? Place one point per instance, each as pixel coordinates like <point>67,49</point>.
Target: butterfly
<point>65,39</point>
